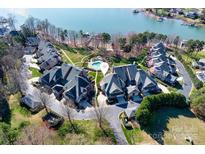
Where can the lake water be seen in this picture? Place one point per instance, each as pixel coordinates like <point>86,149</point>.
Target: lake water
<point>112,21</point>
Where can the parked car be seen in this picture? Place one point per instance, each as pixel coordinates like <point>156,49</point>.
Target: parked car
<point>53,120</point>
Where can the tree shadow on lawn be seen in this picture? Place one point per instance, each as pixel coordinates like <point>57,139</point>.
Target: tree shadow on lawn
<point>160,119</point>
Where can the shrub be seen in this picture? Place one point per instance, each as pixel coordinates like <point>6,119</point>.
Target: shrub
<point>8,135</point>
<point>23,124</point>
<point>154,102</point>
<point>198,102</point>
<point>3,48</point>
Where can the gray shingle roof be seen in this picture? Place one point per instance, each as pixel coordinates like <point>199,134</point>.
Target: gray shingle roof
<point>76,89</point>
<point>31,101</point>
<point>121,81</point>
<point>112,85</point>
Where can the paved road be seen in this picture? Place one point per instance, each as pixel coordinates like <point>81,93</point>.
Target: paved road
<point>187,85</point>
<point>111,113</point>
<point>113,118</point>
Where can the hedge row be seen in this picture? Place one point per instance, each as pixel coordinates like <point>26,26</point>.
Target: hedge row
<point>198,102</point>
<point>197,83</point>
<point>154,102</point>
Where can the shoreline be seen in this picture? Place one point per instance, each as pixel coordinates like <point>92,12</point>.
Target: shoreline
<point>184,19</point>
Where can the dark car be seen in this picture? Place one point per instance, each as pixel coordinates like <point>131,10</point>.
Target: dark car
<point>53,120</point>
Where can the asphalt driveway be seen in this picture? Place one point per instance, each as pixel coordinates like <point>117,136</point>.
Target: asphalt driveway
<point>187,85</point>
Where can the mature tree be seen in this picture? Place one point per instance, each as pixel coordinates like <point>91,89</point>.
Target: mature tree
<point>161,37</point>
<point>199,45</point>
<point>106,37</point>
<point>122,42</point>
<point>26,31</point>
<point>30,24</point>
<point>202,16</point>
<point>127,48</point>
<point>3,48</point>
<point>191,46</point>
<point>8,135</point>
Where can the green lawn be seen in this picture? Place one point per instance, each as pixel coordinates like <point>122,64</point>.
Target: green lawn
<point>171,126</point>
<point>137,136</point>
<point>99,77</point>
<point>86,132</point>
<point>20,114</point>
<point>75,54</point>
<point>75,57</point>
<point>91,133</point>
<point>35,72</point>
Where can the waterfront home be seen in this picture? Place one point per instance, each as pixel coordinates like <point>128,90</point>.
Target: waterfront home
<point>69,82</point>
<point>112,87</point>
<point>192,15</point>
<point>201,76</point>
<point>146,84</point>
<point>50,63</point>
<point>78,91</point>
<point>43,44</point>
<point>47,56</point>
<point>176,11</point>
<point>200,64</point>
<point>29,50</point>
<point>128,82</point>
<point>32,41</point>
<point>164,66</point>
<point>14,33</point>
<point>133,93</point>
<point>161,65</point>
<point>32,102</point>
<point>183,44</point>
<point>165,76</point>
<point>3,31</point>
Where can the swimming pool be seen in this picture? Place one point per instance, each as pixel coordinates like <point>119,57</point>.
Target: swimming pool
<point>96,65</point>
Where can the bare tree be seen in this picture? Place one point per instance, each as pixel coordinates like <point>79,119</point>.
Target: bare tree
<point>35,135</point>
<point>7,62</point>
<point>68,107</point>
<point>30,23</point>
<point>11,21</point>
<point>100,112</point>
<point>73,36</point>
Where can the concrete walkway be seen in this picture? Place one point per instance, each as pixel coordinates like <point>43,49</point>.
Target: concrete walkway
<point>67,56</point>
